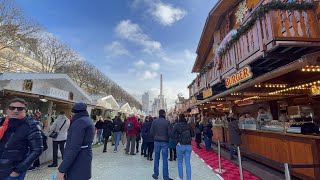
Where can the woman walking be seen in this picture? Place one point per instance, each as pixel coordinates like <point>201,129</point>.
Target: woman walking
<point>107,129</point>
<point>207,133</point>
<point>148,138</point>
<point>172,143</point>
<point>198,133</point>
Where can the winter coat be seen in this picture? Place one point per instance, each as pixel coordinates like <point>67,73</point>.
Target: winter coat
<point>77,158</point>
<point>57,124</point>
<point>146,134</point>
<point>118,125</point>
<point>160,129</point>
<point>107,127</point>
<point>138,134</point>
<point>99,124</point>
<point>135,125</point>
<point>198,131</point>
<point>207,130</point>
<point>172,143</point>
<point>234,132</point>
<point>179,130</point>
<point>20,146</point>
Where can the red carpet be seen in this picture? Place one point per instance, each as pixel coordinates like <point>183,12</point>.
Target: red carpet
<point>232,170</point>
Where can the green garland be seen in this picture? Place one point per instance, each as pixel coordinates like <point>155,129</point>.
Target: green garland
<point>257,14</point>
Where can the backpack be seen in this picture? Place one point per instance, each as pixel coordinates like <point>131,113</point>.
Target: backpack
<point>130,126</point>
<point>185,136</point>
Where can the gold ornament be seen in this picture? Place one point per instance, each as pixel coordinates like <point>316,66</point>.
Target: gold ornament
<point>242,10</point>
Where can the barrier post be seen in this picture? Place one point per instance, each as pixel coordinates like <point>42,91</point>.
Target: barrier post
<point>240,163</point>
<point>219,170</point>
<point>286,171</point>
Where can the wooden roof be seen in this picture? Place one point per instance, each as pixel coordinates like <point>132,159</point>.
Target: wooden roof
<point>211,25</point>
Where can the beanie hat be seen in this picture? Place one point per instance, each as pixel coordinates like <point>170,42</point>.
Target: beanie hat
<point>79,107</point>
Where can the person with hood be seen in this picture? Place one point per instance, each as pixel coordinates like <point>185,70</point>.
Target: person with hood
<point>107,130</point>
<point>234,134</point>
<point>159,130</point>
<point>77,160</point>
<point>20,141</point>
<point>117,131</point>
<point>183,134</point>
<point>131,128</point>
<point>99,128</point>
<point>61,126</point>
<point>172,143</point>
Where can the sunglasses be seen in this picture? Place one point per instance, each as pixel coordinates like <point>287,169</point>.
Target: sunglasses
<point>18,108</point>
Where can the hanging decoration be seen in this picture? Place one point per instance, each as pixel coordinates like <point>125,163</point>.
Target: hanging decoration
<point>241,12</point>
<point>257,14</point>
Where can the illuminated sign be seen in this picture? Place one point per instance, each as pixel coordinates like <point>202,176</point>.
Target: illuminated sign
<point>207,93</point>
<point>241,76</point>
<point>244,102</point>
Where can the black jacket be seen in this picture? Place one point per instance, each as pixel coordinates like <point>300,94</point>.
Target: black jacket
<point>160,129</point>
<point>179,130</point>
<point>99,124</point>
<point>207,130</point>
<point>146,134</point>
<point>107,127</point>
<point>77,159</point>
<point>117,125</point>
<point>20,145</point>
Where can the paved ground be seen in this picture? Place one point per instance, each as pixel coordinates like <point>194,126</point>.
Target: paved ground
<point>118,166</point>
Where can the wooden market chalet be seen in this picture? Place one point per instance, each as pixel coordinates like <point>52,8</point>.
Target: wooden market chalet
<point>267,52</point>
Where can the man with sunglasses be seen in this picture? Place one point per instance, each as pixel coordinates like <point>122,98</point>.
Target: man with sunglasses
<point>20,141</point>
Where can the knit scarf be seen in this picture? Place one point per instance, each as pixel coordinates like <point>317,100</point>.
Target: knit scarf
<point>4,127</point>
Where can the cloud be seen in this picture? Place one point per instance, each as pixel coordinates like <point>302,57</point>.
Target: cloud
<point>132,32</point>
<point>115,49</point>
<point>155,66</point>
<point>166,14</point>
<point>148,75</point>
<point>139,64</point>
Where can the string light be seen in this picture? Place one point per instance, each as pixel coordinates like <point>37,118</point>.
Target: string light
<point>299,87</point>
<point>271,86</point>
<point>311,69</point>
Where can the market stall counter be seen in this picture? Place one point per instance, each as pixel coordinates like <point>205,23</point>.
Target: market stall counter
<point>291,148</point>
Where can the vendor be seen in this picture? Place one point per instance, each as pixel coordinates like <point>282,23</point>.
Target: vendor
<point>283,116</point>
<point>264,115</point>
<point>249,119</point>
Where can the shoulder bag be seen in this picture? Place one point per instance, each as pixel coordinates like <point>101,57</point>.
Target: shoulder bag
<point>55,134</point>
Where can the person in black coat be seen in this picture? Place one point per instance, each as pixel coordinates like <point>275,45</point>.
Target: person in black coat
<point>107,127</point>
<point>207,133</point>
<point>77,160</point>
<point>198,133</point>
<point>148,137</point>
<point>20,141</point>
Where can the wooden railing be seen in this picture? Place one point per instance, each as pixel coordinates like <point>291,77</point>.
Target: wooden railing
<point>288,28</point>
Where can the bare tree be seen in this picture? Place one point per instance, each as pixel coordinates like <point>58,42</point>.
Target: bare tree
<point>52,54</point>
<point>16,30</point>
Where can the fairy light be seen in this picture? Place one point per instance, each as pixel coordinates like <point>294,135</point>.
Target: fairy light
<point>299,87</point>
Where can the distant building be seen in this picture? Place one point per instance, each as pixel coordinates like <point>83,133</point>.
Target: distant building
<point>160,102</point>
<point>145,102</point>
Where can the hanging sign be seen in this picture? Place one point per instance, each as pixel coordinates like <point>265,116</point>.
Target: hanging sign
<point>207,93</point>
<point>241,76</point>
<point>193,100</point>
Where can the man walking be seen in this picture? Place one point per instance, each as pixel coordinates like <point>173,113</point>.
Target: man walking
<point>61,126</point>
<point>76,164</point>
<point>159,130</point>
<point>99,127</point>
<point>20,141</point>
<point>117,131</point>
<point>131,127</point>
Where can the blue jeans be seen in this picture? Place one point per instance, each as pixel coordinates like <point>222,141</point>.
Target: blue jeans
<point>20,177</point>
<point>117,137</point>
<point>207,141</point>
<point>184,151</point>
<point>161,146</point>
<point>99,134</point>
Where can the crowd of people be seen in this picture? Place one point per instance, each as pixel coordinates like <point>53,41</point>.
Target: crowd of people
<point>22,140</point>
